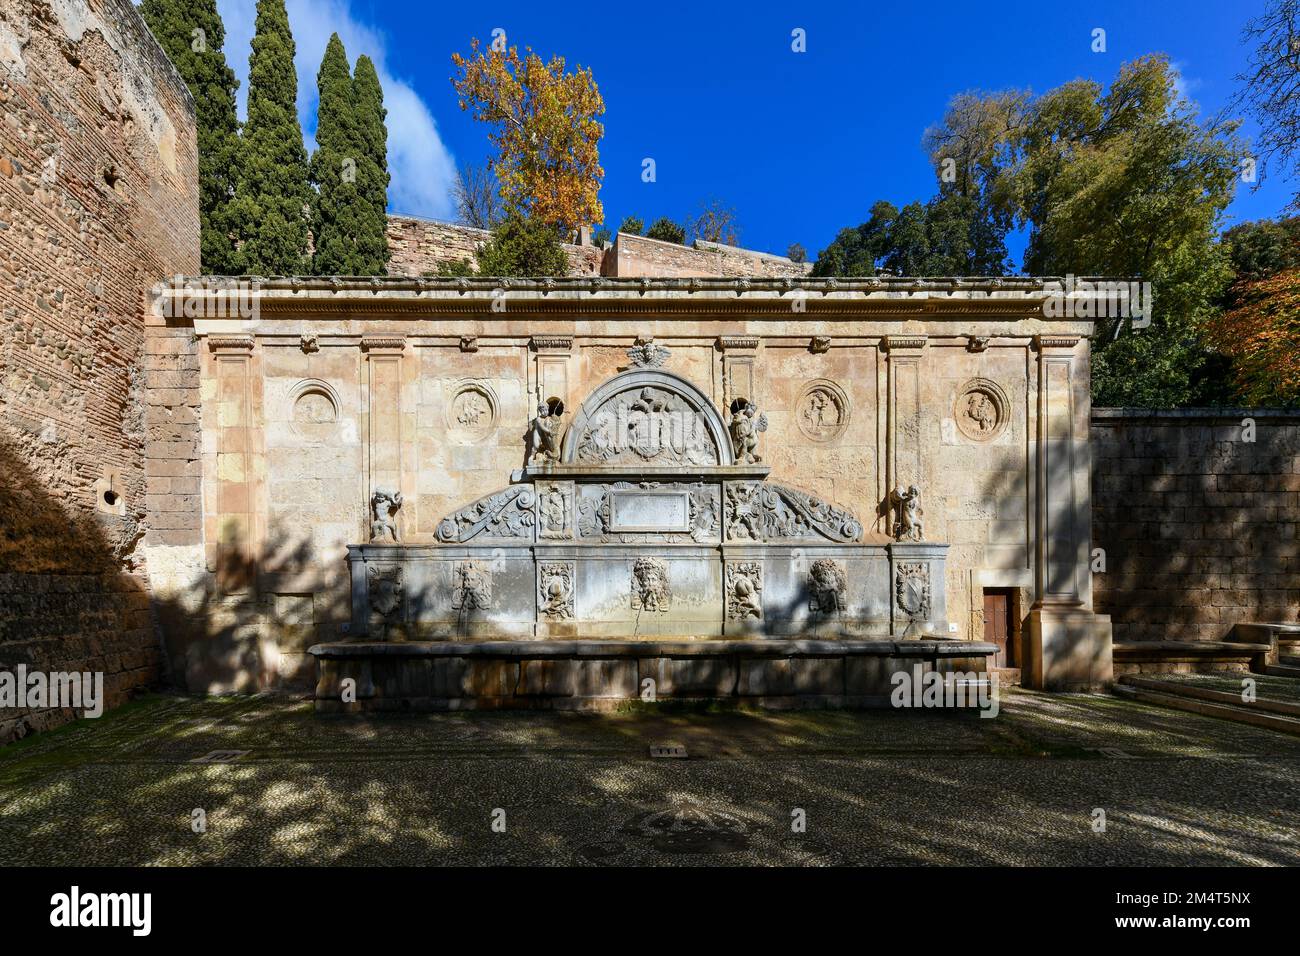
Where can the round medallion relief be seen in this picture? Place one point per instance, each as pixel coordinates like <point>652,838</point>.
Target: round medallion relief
<point>982,410</point>
<point>472,412</point>
<point>822,410</point>
<point>315,411</point>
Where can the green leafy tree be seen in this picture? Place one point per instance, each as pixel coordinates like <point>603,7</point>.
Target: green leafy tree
<point>1126,182</point>
<point>193,36</point>
<point>1262,249</point>
<point>666,230</point>
<point>796,253</point>
<point>859,251</point>
<point>632,225</point>
<point>272,197</point>
<point>337,205</point>
<point>520,247</point>
<point>372,168</point>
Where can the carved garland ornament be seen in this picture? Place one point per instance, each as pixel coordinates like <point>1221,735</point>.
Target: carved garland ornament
<point>744,590</point>
<point>555,589</point>
<point>506,514</point>
<point>759,511</point>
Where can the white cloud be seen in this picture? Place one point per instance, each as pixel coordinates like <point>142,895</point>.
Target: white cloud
<point>422,167</point>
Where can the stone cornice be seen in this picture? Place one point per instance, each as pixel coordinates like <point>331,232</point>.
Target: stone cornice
<point>382,343</point>
<point>1042,342</point>
<point>551,343</point>
<point>737,343</point>
<point>882,295</point>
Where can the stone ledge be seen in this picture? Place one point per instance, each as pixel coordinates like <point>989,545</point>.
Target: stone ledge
<point>653,648</point>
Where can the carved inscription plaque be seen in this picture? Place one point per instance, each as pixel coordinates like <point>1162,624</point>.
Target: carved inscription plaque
<point>649,511</point>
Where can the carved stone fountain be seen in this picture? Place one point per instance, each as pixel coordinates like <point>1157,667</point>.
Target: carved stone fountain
<point>645,553</point>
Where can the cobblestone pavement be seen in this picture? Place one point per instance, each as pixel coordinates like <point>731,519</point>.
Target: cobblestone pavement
<point>886,788</point>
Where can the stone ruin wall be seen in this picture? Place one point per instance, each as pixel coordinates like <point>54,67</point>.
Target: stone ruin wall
<point>1200,528</point>
<point>420,246</point>
<point>98,201</point>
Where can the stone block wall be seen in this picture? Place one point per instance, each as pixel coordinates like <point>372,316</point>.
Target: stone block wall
<point>639,256</point>
<point>420,246</point>
<point>98,201</point>
<point>1200,526</point>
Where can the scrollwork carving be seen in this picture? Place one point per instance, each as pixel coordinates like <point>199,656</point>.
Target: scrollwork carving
<point>506,514</point>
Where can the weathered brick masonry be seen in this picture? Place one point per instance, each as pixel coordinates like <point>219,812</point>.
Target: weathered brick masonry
<point>1201,528</point>
<point>98,201</point>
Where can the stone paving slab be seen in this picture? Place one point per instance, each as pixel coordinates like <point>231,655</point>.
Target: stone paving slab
<point>877,788</point>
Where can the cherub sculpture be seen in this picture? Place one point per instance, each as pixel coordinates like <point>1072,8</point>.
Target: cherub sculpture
<point>545,431</point>
<point>383,524</point>
<point>746,423</point>
<point>908,514</point>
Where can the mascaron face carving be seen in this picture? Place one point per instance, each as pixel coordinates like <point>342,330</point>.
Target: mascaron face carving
<point>650,590</point>
<point>471,587</point>
<point>827,586</point>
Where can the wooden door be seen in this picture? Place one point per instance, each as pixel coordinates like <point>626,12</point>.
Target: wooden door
<point>997,626</point>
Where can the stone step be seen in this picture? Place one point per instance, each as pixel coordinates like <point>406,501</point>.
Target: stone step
<point>1187,689</point>
<point>1238,714</point>
<point>1282,670</point>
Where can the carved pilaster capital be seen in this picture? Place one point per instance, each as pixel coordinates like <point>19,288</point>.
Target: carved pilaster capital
<point>230,343</point>
<point>551,343</point>
<point>737,343</point>
<point>383,343</point>
<point>903,343</point>
<point>1044,342</point>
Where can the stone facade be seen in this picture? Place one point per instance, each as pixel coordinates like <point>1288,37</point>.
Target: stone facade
<point>419,247</point>
<point>638,256</point>
<point>1200,526</point>
<point>98,201</point>
<point>958,394</point>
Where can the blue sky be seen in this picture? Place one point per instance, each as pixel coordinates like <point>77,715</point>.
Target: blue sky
<point>800,144</point>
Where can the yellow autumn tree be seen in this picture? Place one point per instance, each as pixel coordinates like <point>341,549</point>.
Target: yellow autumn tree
<point>546,130</point>
<point>1262,335</point>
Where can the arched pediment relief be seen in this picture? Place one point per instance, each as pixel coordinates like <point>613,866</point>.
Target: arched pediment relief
<point>647,416</point>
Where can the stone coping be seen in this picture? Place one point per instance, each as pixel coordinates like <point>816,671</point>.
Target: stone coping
<point>648,472</point>
<point>929,647</point>
<point>1130,650</point>
<point>1188,416</point>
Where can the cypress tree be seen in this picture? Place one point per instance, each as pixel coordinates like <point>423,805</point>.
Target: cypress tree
<point>372,168</point>
<point>272,196</point>
<point>193,36</point>
<point>338,209</point>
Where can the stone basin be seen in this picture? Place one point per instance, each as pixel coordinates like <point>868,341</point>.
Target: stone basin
<point>607,674</point>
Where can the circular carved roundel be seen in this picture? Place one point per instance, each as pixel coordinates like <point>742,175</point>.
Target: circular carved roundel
<point>982,410</point>
<point>472,411</point>
<point>822,410</point>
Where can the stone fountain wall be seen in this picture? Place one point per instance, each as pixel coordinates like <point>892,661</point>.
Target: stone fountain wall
<point>425,389</point>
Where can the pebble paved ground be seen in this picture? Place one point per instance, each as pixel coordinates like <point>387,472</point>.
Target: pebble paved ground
<point>877,788</point>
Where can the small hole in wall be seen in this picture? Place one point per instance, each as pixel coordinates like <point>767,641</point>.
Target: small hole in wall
<point>110,498</point>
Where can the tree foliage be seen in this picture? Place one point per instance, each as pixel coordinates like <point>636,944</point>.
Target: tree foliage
<point>193,36</point>
<point>1262,335</point>
<point>272,195</point>
<point>545,128</point>
<point>633,226</point>
<point>478,197</point>
<point>337,206</point>
<point>520,247</point>
<point>716,222</point>
<point>1270,86</point>
<point>665,230</point>
<point>372,168</point>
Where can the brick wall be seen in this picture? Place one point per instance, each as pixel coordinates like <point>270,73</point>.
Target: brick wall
<point>98,201</point>
<point>419,246</point>
<point>1200,527</point>
<point>639,256</point>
